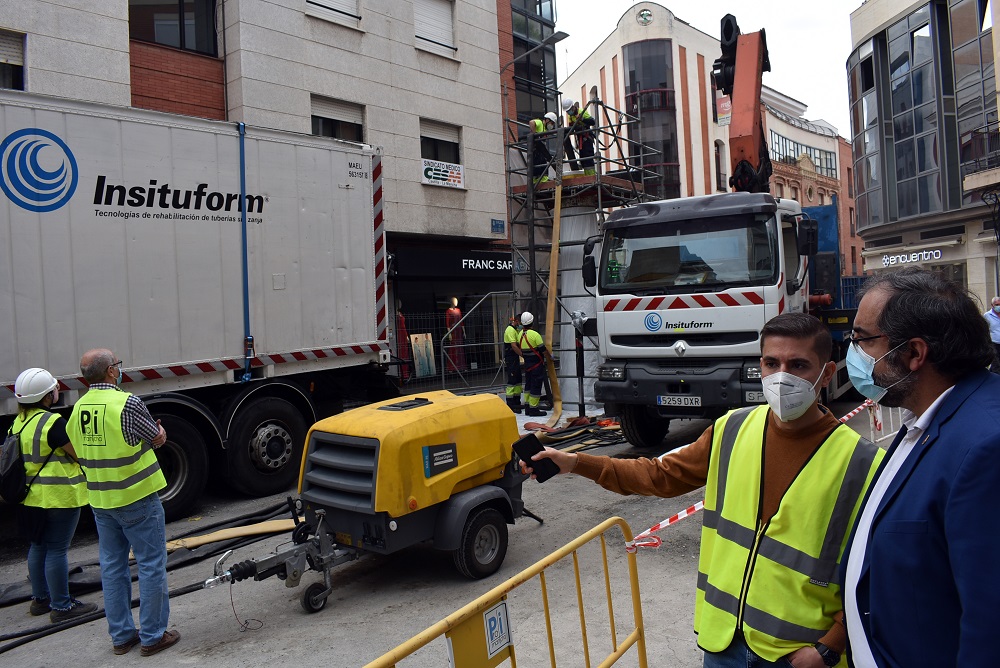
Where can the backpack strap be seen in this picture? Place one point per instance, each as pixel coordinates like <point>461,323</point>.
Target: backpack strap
<point>38,438</point>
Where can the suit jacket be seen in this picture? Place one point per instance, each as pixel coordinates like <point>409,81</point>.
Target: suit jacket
<point>929,592</point>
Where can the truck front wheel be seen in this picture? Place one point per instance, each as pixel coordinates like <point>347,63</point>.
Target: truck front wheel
<point>184,462</point>
<point>264,450</point>
<point>484,544</point>
<point>643,428</point>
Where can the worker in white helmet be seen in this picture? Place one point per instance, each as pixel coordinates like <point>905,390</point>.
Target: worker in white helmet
<point>542,157</point>
<point>580,125</point>
<point>57,490</point>
<point>535,353</point>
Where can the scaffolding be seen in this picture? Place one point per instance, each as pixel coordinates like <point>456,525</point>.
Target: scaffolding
<point>569,206</point>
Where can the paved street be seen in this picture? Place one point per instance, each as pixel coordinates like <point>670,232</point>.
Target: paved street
<point>379,602</point>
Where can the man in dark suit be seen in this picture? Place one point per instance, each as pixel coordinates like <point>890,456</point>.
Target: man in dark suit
<point>921,569</point>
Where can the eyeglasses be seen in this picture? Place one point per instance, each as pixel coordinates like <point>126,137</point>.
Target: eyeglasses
<point>861,339</point>
<point>116,364</point>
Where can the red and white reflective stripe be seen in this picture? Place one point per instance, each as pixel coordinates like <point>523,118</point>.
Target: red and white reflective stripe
<point>193,368</point>
<point>747,298</point>
<point>646,540</point>
<point>381,271</point>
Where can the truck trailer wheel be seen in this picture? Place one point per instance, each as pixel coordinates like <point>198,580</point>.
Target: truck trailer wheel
<point>184,462</point>
<point>265,447</point>
<point>484,544</point>
<point>641,427</point>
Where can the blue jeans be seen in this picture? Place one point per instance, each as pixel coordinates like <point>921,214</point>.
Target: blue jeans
<point>48,565</point>
<point>738,655</point>
<point>139,525</point>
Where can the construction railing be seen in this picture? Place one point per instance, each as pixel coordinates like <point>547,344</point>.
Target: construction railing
<point>884,422</point>
<point>482,633</point>
<point>432,352</point>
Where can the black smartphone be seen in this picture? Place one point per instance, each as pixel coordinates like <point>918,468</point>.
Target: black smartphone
<point>530,445</point>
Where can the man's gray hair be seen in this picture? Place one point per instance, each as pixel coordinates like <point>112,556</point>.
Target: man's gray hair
<point>95,371</point>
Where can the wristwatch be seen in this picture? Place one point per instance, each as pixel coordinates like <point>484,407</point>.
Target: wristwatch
<point>830,658</point>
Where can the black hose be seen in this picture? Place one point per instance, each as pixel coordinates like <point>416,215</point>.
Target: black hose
<point>30,635</point>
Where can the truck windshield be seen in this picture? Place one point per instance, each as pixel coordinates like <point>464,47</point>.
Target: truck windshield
<point>683,256</point>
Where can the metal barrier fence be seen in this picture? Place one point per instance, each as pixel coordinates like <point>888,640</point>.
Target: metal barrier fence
<point>453,350</point>
<point>884,422</point>
<point>481,634</point>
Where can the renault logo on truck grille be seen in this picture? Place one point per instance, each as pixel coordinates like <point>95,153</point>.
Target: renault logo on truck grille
<point>38,170</point>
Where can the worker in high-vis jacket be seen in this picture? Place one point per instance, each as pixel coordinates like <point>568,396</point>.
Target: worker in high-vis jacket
<point>533,349</point>
<point>541,156</point>
<point>114,436</point>
<point>783,484</point>
<point>512,362</point>
<point>57,490</point>
<point>581,126</point>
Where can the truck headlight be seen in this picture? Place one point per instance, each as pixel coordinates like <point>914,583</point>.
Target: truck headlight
<point>752,372</point>
<point>611,372</point>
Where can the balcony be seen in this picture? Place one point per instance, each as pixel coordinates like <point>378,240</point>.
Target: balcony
<point>979,152</point>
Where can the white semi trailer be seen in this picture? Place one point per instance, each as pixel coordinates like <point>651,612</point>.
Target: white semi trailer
<point>238,272</point>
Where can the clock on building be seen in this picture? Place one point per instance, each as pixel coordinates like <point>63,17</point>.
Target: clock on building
<point>644,17</point>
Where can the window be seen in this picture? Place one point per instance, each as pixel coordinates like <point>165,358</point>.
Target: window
<point>795,193</point>
<point>822,199</point>
<point>182,24</point>
<point>854,227</point>
<point>787,151</point>
<point>433,26</point>
<point>854,261</point>
<point>850,182</point>
<point>779,189</point>
<point>337,119</point>
<point>339,11</point>
<point>439,141</point>
<point>11,60</point>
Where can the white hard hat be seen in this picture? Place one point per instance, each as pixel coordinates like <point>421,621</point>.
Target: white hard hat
<point>33,384</point>
<point>552,117</point>
<point>527,318</point>
<point>567,104</point>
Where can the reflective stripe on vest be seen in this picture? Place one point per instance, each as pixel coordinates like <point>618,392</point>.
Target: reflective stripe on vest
<point>59,483</point>
<point>783,576</point>
<point>117,473</point>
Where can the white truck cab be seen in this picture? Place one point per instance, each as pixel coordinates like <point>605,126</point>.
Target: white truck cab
<point>684,288</point>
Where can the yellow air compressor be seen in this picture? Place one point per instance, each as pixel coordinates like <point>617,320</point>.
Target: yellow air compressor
<point>434,467</point>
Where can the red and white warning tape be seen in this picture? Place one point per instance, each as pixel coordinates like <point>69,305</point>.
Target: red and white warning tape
<point>646,539</point>
<point>868,402</point>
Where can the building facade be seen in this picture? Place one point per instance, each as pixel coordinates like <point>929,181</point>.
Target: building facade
<point>811,165</point>
<point>922,91</point>
<point>658,67</point>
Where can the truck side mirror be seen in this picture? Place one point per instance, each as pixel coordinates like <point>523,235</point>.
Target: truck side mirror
<point>588,245</point>
<point>807,237</point>
<point>589,271</point>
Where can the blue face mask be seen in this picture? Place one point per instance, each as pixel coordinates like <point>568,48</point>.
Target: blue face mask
<point>996,309</point>
<point>860,366</point>
<point>118,379</point>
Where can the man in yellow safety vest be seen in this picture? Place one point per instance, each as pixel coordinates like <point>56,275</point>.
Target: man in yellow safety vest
<point>114,436</point>
<point>783,484</point>
<point>541,156</point>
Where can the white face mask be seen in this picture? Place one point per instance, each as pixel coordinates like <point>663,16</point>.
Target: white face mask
<point>788,395</point>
